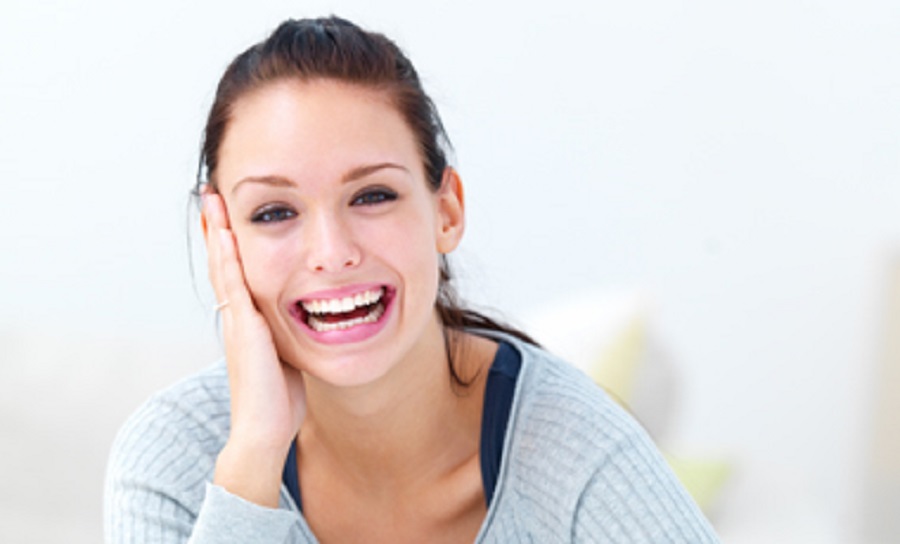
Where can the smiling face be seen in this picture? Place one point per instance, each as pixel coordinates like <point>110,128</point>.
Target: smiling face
<point>338,231</point>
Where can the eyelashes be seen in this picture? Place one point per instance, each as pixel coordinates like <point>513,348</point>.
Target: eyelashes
<point>372,196</point>
<point>276,213</point>
<point>272,214</point>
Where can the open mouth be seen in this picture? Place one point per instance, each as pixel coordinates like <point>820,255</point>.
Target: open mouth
<point>338,314</point>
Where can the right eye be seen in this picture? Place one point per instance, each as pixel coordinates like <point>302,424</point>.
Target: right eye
<point>272,214</point>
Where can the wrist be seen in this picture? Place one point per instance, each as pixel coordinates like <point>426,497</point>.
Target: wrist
<point>252,473</point>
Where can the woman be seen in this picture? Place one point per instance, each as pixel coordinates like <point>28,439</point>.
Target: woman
<point>358,401</point>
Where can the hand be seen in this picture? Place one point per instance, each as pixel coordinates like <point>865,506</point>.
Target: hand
<point>268,398</point>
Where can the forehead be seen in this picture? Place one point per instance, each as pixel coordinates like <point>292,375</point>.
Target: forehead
<point>316,129</point>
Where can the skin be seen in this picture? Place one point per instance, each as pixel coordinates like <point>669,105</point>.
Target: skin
<point>388,449</point>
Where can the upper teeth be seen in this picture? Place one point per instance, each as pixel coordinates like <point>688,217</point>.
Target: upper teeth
<point>346,304</point>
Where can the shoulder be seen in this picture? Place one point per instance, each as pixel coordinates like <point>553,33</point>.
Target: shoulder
<point>577,464</point>
<point>562,425</point>
<point>169,445</point>
<point>563,416</point>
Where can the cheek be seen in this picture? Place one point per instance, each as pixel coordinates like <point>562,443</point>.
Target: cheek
<point>266,266</point>
<point>414,247</point>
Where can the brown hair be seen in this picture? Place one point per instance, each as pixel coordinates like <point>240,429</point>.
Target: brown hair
<point>333,48</point>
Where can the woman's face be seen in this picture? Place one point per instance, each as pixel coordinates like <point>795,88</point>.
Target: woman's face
<point>338,232</point>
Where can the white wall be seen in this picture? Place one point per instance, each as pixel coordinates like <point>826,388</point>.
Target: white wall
<point>738,161</point>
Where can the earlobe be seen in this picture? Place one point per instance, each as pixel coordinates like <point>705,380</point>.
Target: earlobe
<point>451,211</point>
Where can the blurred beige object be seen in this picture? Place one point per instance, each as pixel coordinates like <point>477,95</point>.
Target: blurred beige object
<point>607,335</point>
<point>882,483</point>
<point>702,477</point>
<point>616,368</point>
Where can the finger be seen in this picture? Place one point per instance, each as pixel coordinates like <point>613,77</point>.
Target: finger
<point>232,285</point>
<point>214,212</point>
<point>216,219</point>
<point>213,249</point>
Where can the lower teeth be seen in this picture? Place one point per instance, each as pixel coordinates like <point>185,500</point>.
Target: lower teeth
<point>322,326</point>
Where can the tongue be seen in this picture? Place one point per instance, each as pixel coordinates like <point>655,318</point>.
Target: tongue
<point>335,318</point>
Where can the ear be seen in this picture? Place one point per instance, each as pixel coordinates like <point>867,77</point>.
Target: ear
<point>206,195</point>
<point>451,211</point>
<point>203,224</point>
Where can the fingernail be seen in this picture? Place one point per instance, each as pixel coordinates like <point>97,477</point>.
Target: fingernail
<point>224,236</point>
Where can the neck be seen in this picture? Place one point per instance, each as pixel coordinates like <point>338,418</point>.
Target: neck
<point>413,425</point>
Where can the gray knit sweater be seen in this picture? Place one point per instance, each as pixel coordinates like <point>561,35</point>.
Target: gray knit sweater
<point>576,468</point>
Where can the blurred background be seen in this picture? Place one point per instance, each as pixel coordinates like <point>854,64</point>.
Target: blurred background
<point>706,191</point>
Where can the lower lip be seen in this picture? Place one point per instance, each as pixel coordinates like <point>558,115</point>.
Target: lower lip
<point>357,333</point>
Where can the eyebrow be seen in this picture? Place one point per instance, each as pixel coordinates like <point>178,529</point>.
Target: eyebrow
<point>353,174</point>
<point>369,169</point>
<point>275,181</point>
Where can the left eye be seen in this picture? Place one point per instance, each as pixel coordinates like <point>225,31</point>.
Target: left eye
<point>375,196</point>
<point>272,215</point>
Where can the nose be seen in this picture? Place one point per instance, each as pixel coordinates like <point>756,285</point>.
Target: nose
<point>329,244</point>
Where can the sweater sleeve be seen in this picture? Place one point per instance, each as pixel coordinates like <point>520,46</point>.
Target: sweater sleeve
<point>228,518</point>
<point>158,484</point>
<point>635,498</point>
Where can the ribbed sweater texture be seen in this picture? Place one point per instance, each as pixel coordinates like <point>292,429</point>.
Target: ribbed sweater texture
<point>576,468</point>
